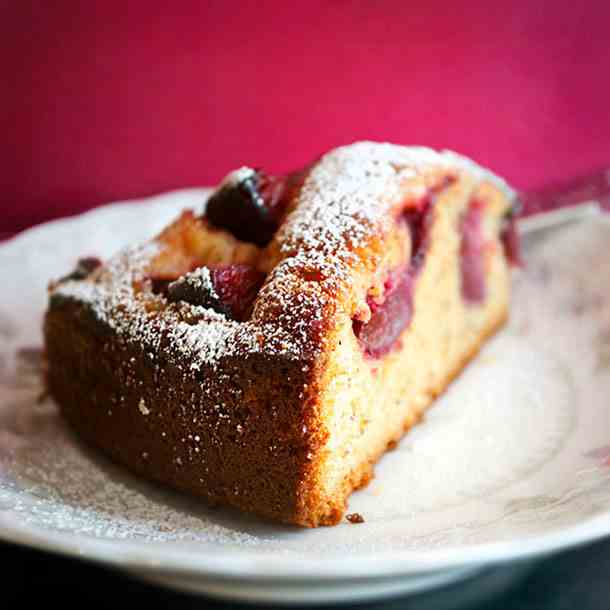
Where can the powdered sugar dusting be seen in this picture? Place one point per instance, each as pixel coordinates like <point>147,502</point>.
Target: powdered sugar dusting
<point>343,204</point>
<point>207,342</point>
<point>348,193</point>
<point>113,300</point>
<point>199,279</point>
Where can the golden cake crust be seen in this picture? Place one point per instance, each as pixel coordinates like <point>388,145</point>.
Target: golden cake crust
<point>233,411</point>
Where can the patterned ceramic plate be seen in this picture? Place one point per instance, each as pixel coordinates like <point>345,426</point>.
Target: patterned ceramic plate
<point>513,461</point>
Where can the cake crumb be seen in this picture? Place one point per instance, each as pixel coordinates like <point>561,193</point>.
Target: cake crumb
<point>355,518</point>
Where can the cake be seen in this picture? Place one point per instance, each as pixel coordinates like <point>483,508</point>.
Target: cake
<point>264,352</point>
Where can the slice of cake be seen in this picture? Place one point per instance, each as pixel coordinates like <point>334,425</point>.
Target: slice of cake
<point>264,354</point>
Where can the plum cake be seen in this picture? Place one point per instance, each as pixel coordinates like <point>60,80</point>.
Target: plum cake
<point>264,351</point>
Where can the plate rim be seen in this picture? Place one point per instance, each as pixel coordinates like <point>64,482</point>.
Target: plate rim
<point>133,555</point>
<point>138,555</point>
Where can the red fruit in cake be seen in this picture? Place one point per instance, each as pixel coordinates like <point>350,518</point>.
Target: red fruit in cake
<point>388,318</point>
<point>472,262</point>
<point>419,220</point>
<point>236,287</point>
<point>228,289</point>
<point>249,204</point>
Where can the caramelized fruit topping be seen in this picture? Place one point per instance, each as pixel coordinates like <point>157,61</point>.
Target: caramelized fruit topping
<point>251,204</point>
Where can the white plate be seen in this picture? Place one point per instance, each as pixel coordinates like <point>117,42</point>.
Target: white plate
<point>512,462</point>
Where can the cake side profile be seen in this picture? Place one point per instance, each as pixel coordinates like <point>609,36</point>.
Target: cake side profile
<point>265,353</point>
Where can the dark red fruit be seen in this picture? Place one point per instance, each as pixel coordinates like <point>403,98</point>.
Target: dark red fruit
<point>231,289</point>
<point>419,221</point>
<point>251,207</point>
<point>389,318</point>
<point>84,267</point>
<point>393,315</point>
<point>160,283</point>
<point>236,287</point>
<point>510,241</point>
<point>472,262</point>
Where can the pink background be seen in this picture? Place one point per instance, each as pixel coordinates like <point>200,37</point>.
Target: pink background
<point>112,99</point>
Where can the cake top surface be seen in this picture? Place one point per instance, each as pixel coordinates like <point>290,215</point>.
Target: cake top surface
<point>344,202</point>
